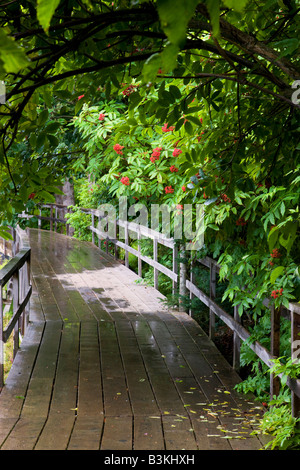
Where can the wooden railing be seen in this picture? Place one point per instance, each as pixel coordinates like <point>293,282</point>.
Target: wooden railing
<point>179,280</point>
<point>15,294</point>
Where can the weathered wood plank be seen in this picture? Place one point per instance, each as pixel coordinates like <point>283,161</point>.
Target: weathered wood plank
<point>59,425</point>
<point>118,433</point>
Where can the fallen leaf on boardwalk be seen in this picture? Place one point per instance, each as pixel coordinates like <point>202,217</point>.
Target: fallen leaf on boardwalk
<point>193,411</point>
<point>73,409</point>
<point>188,392</point>
<point>154,417</point>
<point>166,412</point>
<point>225,391</point>
<point>213,435</point>
<point>142,380</point>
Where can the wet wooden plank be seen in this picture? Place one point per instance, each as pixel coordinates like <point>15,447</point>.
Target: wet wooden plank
<point>14,392</point>
<point>118,433</point>
<point>179,433</point>
<point>86,434</point>
<point>148,433</point>
<point>59,425</point>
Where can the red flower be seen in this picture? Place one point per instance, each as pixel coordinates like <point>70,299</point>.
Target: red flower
<point>130,89</point>
<point>225,198</point>
<point>31,196</point>
<point>176,152</point>
<point>169,189</point>
<point>275,253</point>
<point>118,148</point>
<point>241,221</point>
<point>173,169</point>
<point>79,97</point>
<point>179,206</point>
<point>276,293</point>
<point>125,180</point>
<point>165,128</point>
<point>183,188</point>
<point>156,152</point>
<point>101,117</point>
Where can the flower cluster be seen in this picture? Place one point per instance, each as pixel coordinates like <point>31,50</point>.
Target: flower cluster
<point>169,189</point>
<point>165,128</point>
<point>130,89</point>
<point>225,198</point>
<point>118,148</point>
<point>173,169</point>
<point>241,221</point>
<point>101,117</point>
<point>80,96</point>
<point>276,293</point>
<point>155,154</point>
<point>275,253</point>
<point>176,152</point>
<point>125,180</point>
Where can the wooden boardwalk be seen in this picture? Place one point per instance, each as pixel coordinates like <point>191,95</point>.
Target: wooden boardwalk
<point>105,366</point>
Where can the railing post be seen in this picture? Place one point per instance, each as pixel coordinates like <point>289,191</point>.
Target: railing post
<point>212,296</point>
<point>192,278</point>
<point>51,217</point>
<point>182,277</point>
<point>1,341</point>
<point>116,235</point>
<point>140,271</point>
<point>236,342</point>
<point>93,226</point>
<point>126,243</point>
<point>175,268</point>
<point>275,348</point>
<point>155,259</point>
<point>295,346</point>
<point>15,308</point>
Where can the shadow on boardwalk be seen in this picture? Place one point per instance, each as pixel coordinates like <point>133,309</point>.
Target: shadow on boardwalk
<point>105,366</point>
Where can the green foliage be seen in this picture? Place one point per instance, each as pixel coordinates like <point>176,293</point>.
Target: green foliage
<point>212,79</point>
<point>283,428</point>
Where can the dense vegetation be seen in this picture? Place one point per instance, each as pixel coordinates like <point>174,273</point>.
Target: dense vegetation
<point>166,102</point>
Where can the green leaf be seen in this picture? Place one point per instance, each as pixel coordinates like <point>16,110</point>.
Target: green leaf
<point>151,67</point>
<point>276,273</point>
<point>13,56</point>
<point>43,116</point>
<point>45,11</point>
<point>174,16</point>
<point>213,7</point>
<point>237,5</point>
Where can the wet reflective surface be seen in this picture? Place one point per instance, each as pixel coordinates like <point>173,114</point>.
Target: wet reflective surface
<point>105,366</point>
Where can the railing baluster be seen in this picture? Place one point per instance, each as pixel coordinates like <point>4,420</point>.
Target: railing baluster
<point>155,273</point>
<point>15,308</point>
<point>175,268</point>
<point>212,296</point>
<point>295,352</point>
<point>126,243</point>
<point>1,340</point>
<point>275,348</point>
<point>236,342</point>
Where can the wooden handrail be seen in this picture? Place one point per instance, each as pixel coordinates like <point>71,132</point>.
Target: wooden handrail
<point>234,323</point>
<point>17,270</point>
